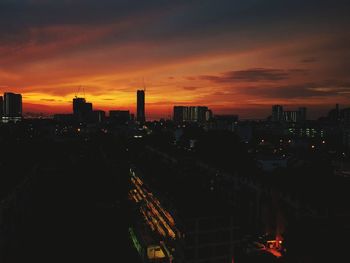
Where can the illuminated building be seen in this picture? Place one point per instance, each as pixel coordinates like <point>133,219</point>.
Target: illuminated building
<point>307,132</point>
<point>12,107</point>
<point>141,117</point>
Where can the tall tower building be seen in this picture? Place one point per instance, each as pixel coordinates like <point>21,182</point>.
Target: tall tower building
<point>141,106</point>
<point>78,105</point>
<point>180,113</point>
<point>1,106</point>
<point>12,105</point>
<point>82,110</point>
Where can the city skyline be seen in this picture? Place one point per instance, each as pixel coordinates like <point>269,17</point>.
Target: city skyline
<point>174,131</point>
<point>240,59</point>
<point>142,113</point>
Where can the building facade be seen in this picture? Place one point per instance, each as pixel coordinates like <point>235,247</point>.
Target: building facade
<point>1,106</point>
<point>141,117</point>
<point>277,113</point>
<point>280,115</point>
<point>82,110</point>
<point>12,107</point>
<point>191,114</point>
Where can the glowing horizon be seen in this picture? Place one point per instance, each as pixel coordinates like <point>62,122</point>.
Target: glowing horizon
<point>236,57</point>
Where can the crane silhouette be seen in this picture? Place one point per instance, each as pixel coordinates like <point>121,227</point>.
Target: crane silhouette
<point>80,88</point>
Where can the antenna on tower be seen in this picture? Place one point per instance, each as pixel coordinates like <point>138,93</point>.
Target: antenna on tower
<point>79,89</point>
<point>144,85</point>
<point>77,92</point>
<point>84,92</point>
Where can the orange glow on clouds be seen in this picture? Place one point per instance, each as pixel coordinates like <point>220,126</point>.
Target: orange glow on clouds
<point>242,74</point>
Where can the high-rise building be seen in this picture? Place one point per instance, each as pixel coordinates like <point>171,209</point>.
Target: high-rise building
<point>141,106</point>
<point>12,105</point>
<point>200,113</point>
<point>1,106</point>
<point>277,113</point>
<point>208,115</point>
<point>191,114</point>
<point>180,113</point>
<point>290,116</point>
<point>78,105</point>
<point>82,110</point>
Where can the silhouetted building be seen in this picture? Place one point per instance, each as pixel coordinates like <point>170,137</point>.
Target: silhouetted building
<point>180,113</point>
<point>141,106</point>
<point>82,110</point>
<point>209,115</point>
<point>12,107</point>
<point>223,122</point>
<point>334,114</point>
<point>302,114</point>
<point>345,116</point>
<point>191,114</point>
<point>1,106</point>
<point>98,116</point>
<point>67,118</point>
<point>290,116</point>
<point>277,113</point>
<point>198,113</point>
<point>12,104</point>
<point>119,116</point>
<point>78,105</point>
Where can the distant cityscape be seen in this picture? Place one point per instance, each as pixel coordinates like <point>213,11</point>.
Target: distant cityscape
<point>11,110</point>
<point>281,122</point>
<point>200,187</point>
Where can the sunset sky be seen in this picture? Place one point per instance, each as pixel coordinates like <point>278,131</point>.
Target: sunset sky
<point>234,56</point>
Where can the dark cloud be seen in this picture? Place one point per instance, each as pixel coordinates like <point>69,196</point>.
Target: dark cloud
<point>249,75</point>
<point>168,18</point>
<point>309,60</point>
<point>190,88</point>
<point>303,90</point>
